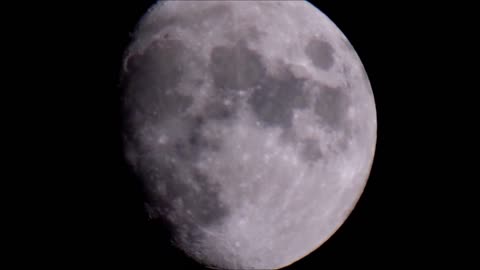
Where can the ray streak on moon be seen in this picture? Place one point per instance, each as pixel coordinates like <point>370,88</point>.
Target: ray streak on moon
<point>251,124</point>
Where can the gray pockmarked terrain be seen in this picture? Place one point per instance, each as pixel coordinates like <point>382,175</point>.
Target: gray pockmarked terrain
<point>251,124</point>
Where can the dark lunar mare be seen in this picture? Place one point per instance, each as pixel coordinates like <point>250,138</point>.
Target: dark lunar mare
<point>276,98</point>
<point>331,106</point>
<point>150,100</point>
<point>151,79</point>
<point>236,68</point>
<point>320,53</point>
<point>273,98</point>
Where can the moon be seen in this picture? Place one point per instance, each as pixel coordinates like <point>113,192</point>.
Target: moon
<point>251,125</point>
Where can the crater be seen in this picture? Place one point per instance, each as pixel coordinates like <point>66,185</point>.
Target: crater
<point>320,53</point>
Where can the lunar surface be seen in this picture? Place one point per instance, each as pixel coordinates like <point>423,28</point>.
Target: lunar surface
<point>251,124</point>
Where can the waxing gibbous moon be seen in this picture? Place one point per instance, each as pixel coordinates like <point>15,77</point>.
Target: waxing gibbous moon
<point>251,124</point>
